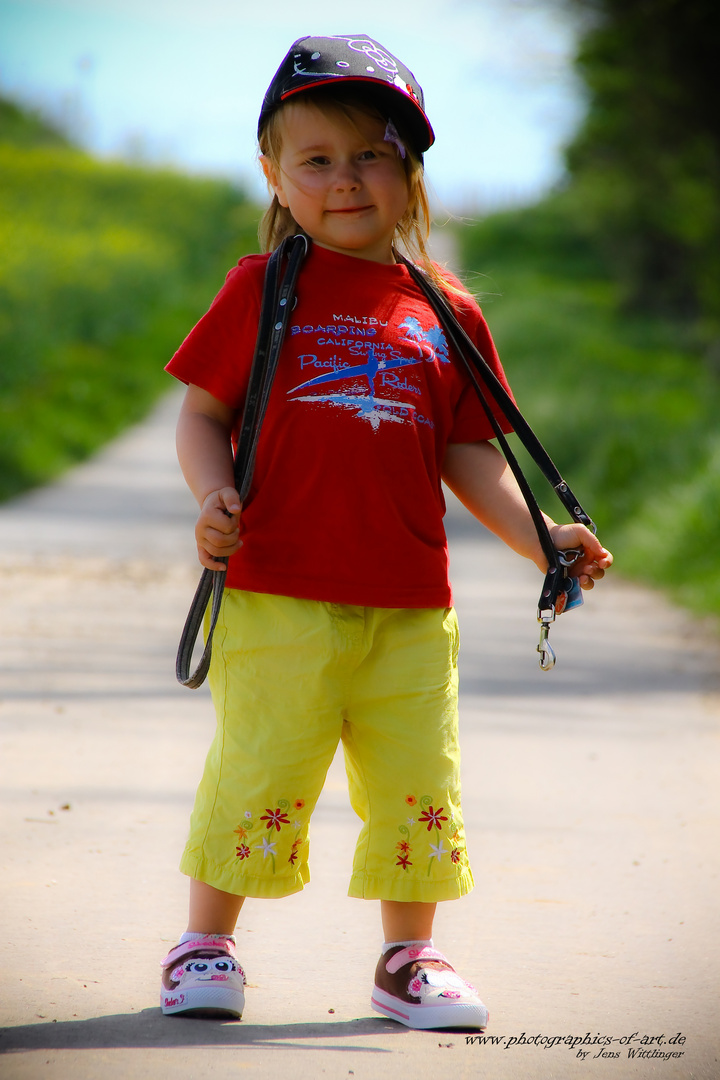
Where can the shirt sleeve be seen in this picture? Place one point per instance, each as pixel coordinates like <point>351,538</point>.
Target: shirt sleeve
<point>217,353</point>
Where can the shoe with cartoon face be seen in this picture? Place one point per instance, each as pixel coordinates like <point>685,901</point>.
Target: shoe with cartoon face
<point>418,987</point>
<point>202,977</point>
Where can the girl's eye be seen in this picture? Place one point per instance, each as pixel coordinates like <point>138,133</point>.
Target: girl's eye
<point>368,155</point>
<point>318,161</point>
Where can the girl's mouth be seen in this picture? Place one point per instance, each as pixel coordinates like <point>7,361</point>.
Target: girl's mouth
<point>350,210</point>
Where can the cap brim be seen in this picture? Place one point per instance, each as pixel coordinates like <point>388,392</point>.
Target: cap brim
<point>402,107</point>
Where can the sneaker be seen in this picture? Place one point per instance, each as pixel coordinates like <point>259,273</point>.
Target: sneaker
<point>203,977</point>
<point>418,987</point>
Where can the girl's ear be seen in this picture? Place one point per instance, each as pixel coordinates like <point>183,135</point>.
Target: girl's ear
<point>272,176</point>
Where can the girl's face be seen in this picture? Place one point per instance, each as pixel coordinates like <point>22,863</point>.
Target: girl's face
<point>343,184</point>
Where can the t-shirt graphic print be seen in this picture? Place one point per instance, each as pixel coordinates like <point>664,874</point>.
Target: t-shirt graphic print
<point>356,376</point>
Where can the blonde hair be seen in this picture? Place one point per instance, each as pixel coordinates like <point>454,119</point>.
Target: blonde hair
<point>412,230</point>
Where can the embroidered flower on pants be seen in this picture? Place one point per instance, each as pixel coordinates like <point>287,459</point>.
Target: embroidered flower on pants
<point>432,817</point>
<point>246,839</point>
<point>275,817</point>
<point>297,842</point>
<point>412,829</point>
<point>266,847</point>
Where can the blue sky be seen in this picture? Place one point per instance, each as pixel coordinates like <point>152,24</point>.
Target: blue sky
<point>181,81</point>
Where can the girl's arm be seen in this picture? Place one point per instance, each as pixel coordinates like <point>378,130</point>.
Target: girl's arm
<point>484,483</point>
<point>205,454</point>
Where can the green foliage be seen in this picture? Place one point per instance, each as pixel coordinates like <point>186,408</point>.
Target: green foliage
<point>105,268</point>
<point>647,158</point>
<point>20,127</point>
<point>620,402</point>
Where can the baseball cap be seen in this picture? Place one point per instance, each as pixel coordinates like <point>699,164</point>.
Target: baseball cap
<point>321,61</point>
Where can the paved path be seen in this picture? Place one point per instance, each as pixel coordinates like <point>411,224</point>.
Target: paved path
<point>591,798</point>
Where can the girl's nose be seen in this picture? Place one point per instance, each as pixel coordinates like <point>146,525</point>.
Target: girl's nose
<point>346,177</point>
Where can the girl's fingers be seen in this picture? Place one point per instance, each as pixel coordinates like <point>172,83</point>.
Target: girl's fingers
<point>224,548</point>
<point>210,558</point>
<point>209,562</point>
<point>229,499</point>
<point>219,537</point>
<point>221,522</point>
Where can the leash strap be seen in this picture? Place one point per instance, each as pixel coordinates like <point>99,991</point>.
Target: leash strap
<point>560,591</point>
<point>277,303</point>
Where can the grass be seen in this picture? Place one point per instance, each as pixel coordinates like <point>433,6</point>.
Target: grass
<point>105,269</point>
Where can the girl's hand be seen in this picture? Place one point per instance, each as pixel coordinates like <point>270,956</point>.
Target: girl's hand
<point>594,561</point>
<point>217,531</point>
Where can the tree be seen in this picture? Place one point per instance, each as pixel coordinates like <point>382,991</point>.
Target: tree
<point>647,158</point>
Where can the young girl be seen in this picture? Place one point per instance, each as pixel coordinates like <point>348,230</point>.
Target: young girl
<point>337,621</point>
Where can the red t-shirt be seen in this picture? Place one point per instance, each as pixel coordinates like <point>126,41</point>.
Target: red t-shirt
<point>346,503</point>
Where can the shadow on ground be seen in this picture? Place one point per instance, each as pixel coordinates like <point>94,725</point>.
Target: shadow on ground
<point>151,1029</point>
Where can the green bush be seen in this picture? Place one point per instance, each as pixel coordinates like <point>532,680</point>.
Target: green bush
<point>622,404</point>
<point>105,268</point>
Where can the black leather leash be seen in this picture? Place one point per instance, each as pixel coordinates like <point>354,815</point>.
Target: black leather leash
<point>560,591</point>
<point>277,303</point>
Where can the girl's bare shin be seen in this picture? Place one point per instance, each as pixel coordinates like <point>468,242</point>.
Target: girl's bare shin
<point>211,910</point>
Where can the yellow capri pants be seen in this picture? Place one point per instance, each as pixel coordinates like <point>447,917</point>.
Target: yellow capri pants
<point>291,678</point>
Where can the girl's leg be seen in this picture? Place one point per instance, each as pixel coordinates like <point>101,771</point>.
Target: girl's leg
<point>414,983</point>
<point>263,774</point>
<point>211,910</point>
<point>402,758</point>
<point>407,921</point>
<point>403,761</point>
<point>279,713</point>
<point>201,974</point>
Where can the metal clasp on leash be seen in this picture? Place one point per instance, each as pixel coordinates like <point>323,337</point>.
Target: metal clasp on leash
<point>555,601</point>
<point>547,653</point>
<point>570,556</point>
<point>546,617</point>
